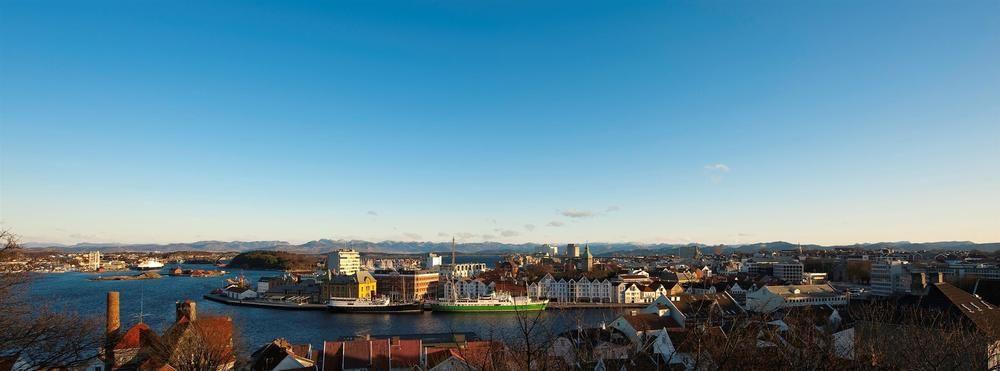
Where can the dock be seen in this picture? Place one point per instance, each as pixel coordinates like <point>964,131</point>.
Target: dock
<point>309,306</point>
<point>264,304</point>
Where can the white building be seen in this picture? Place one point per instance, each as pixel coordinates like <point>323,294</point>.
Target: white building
<point>473,288</point>
<point>94,260</point>
<point>432,260</point>
<point>465,270</point>
<point>890,277</point>
<point>240,293</point>
<point>573,290</point>
<point>344,261</point>
<point>770,298</point>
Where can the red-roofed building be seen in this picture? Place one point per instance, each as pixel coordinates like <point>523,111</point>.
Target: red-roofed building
<point>207,340</point>
<point>371,355</point>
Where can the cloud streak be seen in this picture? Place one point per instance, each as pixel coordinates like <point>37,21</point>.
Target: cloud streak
<point>556,223</point>
<point>577,213</point>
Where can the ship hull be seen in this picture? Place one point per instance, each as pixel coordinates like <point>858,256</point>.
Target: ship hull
<point>438,307</point>
<point>391,308</point>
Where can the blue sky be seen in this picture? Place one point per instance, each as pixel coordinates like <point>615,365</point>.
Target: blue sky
<point>716,122</point>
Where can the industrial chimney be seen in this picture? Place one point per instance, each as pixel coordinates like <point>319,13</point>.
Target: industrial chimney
<point>186,309</point>
<point>113,321</point>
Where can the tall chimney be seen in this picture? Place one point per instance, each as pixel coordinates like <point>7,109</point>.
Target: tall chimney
<point>186,309</point>
<point>111,329</point>
<point>114,323</point>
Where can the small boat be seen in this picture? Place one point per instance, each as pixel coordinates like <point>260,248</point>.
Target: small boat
<point>374,305</point>
<point>149,264</point>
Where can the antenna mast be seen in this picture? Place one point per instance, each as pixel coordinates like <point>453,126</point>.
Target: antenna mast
<point>453,252</point>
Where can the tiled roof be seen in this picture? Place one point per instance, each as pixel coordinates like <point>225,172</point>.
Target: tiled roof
<point>377,354</point>
<point>332,353</point>
<point>650,321</point>
<point>405,353</point>
<point>699,304</point>
<point>136,337</point>
<point>357,354</point>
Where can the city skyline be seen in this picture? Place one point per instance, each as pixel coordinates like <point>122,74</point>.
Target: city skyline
<point>827,123</point>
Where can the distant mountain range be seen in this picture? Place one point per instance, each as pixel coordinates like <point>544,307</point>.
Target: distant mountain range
<point>489,248</point>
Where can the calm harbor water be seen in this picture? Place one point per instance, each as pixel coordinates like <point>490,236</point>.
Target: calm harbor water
<point>155,300</point>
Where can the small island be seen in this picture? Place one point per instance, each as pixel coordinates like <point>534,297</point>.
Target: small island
<point>179,272</point>
<point>140,276</point>
<point>273,260</point>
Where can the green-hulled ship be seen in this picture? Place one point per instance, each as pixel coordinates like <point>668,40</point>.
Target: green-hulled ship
<point>501,302</point>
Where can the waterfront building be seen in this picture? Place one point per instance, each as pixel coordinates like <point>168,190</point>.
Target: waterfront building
<point>94,260</point>
<point>360,285</point>
<point>407,285</point>
<point>432,260</point>
<point>579,290</point>
<point>344,261</point>
<point>770,298</point>
<point>240,293</point>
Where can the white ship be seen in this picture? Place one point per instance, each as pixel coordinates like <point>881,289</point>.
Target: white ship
<point>149,264</point>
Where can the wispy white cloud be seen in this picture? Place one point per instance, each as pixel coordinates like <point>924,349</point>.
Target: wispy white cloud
<point>529,227</point>
<point>612,209</point>
<point>372,213</point>
<point>412,236</point>
<point>719,168</point>
<point>577,213</point>
<point>509,233</point>
<point>556,223</point>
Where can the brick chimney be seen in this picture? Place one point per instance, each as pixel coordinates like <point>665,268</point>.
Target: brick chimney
<point>186,309</point>
<point>111,329</point>
<point>113,321</point>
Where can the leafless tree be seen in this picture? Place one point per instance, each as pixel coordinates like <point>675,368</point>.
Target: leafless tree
<point>37,336</point>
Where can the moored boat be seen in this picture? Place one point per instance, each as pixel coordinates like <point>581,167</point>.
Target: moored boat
<point>149,264</point>
<point>496,302</point>
<point>374,305</point>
